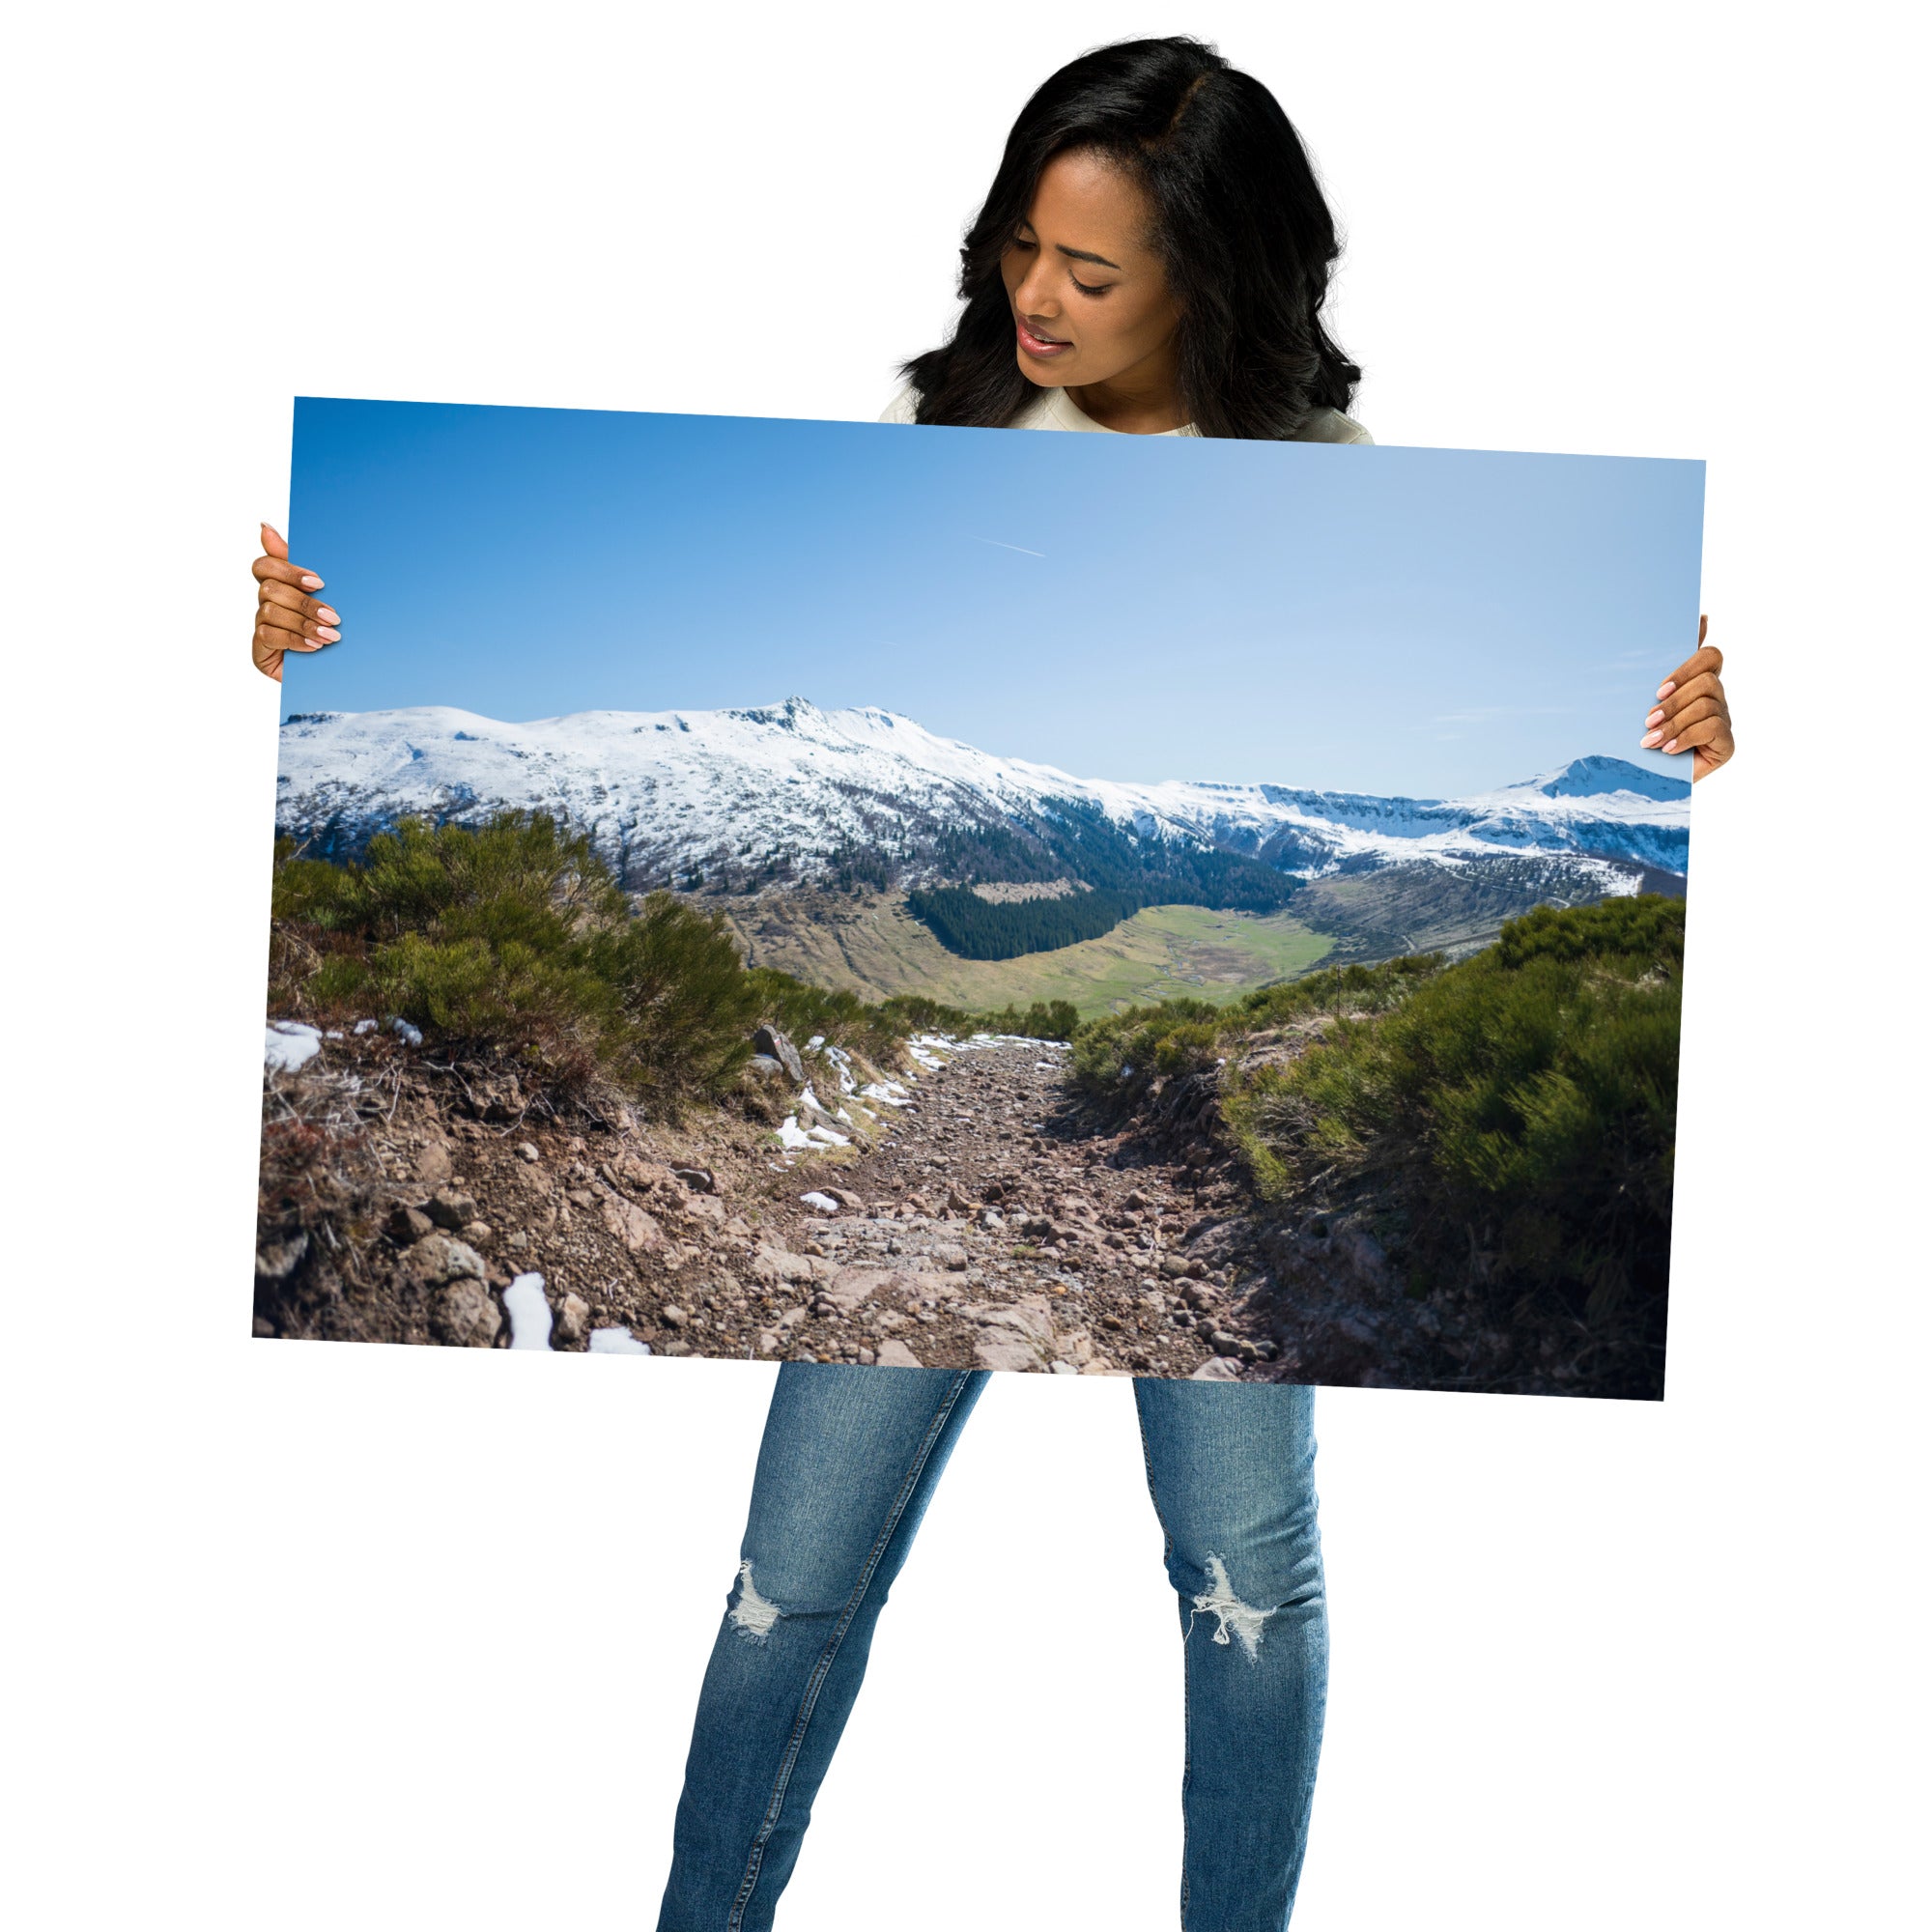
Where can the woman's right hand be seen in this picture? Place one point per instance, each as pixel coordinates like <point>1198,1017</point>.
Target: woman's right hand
<point>287,619</point>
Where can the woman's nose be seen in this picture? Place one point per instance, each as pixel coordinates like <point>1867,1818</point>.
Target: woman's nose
<point>1035,294</point>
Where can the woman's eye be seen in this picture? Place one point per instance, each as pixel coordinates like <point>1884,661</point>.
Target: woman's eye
<point>1095,289</point>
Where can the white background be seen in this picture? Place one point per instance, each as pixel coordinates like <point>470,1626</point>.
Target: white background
<point>306,1637</point>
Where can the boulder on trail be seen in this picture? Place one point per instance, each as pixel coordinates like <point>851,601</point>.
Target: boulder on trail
<point>407,1225</point>
<point>571,1322</point>
<point>437,1259</point>
<point>464,1313</point>
<point>1216,1369</point>
<point>449,1208</point>
<point>773,1045</point>
<point>631,1225</point>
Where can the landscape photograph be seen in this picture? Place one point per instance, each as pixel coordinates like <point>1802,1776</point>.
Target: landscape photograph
<point>924,897</point>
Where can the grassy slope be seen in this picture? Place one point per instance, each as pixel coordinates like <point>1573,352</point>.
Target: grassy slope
<point>873,946</point>
<point>1420,908</point>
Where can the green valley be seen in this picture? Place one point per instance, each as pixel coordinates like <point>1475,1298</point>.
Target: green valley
<point>869,944</point>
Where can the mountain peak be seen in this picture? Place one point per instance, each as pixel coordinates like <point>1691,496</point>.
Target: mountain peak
<point>788,715</point>
<point>1592,776</point>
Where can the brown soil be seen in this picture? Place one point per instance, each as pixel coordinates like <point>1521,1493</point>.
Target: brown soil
<point>996,1222</point>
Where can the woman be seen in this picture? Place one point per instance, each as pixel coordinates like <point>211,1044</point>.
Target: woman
<point>1152,259</point>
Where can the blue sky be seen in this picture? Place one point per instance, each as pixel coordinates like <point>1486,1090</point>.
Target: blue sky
<point>1375,619</point>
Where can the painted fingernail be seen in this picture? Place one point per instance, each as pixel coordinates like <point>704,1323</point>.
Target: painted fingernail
<point>328,636</point>
<point>1664,690</point>
<point>310,581</point>
<point>1672,746</point>
<point>1654,717</point>
<point>1652,739</point>
<point>329,616</point>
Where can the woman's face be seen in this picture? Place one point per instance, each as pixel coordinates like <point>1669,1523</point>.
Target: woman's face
<point>1091,301</point>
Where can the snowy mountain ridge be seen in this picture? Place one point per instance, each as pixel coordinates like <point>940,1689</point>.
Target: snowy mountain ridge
<point>731,793</point>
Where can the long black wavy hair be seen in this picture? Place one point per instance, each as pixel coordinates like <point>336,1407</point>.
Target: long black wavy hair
<point>1243,233</point>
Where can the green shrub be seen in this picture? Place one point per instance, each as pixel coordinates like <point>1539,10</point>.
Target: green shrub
<point>512,937</point>
<point>1043,1019</point>
<point>686,1005</point>
<point>1519,1106</point>
<point>1120,1054</point>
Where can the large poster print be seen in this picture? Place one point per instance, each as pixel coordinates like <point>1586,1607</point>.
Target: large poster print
<point>948,899</point>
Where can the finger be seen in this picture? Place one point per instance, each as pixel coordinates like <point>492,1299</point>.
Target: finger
<point>268,662</point>
<point>275,543</point>
<point>273,570</point>
<point>1708,685</point>
<point>1664,737</point>
<point>1710,731</point>
<point>1708,658</point>
<point>273,638</point>
<point>294,627</point>
<point>280,594</point>
<point>1703,629</point>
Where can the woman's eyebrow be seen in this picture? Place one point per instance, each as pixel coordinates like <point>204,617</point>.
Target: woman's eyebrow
<point>1087,255</point>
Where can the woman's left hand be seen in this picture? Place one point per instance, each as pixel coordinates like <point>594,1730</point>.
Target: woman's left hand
<point>1692,713</point>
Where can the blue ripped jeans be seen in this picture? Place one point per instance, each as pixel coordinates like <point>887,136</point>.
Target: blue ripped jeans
<point>849,1462</point>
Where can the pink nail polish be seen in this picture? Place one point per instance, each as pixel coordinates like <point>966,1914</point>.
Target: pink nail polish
<point>328,636</point>
<point>1652,739</point>
<point>311,582</point>
<point>1672,746</point>
<point>329,616</point>
<point>1664,690</point>
<point>1654,717</point>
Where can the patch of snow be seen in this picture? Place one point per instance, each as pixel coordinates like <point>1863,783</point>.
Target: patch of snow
<point>617,1342</point>
<point>290,1044</point>
<point>819,1204</point>
<point>528,1309</point>
<point>409,1035</point>
<point>789,1133</point>
<point>366,1026</point>
<point>829,1137</point>
<point>815,1044</point>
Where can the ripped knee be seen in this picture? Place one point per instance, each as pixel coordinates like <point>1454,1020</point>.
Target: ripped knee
<point>751,1615</point>
<point>1235,1622</point>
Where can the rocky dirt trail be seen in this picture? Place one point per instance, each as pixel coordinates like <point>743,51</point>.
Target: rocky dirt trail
<point>995,1229</point>
<point>978,1215</point>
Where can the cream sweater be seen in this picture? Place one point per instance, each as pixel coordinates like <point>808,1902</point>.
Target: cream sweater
<point>1055,408</point>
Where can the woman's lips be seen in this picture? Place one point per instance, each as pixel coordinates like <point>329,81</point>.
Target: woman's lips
<point>1043,346</point>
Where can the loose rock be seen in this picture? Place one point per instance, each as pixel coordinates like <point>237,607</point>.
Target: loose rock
<point>406,1224</point>
<point>437,1259</point>
<point>464,1313</point>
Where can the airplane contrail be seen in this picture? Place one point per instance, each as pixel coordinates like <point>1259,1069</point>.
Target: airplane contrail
<point>1021,548</point>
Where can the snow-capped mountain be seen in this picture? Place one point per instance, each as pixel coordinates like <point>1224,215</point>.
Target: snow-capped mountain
<point>790,792</point>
